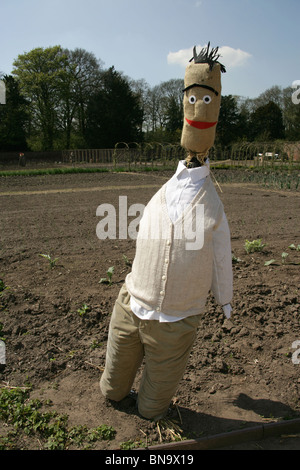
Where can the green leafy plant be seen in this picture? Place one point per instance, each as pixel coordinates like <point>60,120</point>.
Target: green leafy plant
<point>271,261</point>
<point>284,256</point>
<point>294,247</point>
<point>127,260</point>
<point>254,245</point>
<point>95,344</point>
<point>83,310</point>
<point>52,261</point>
<point>235,259</point>
<point>26,415</point>
<point>130,445</point>
<point>108,279</point>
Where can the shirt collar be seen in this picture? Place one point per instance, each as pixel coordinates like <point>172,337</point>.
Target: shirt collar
<point>196,174</point>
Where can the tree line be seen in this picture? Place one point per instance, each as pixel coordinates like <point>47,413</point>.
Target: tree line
<point>62,99</point>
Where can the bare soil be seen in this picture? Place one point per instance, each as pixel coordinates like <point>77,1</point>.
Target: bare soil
<point>241,371</point>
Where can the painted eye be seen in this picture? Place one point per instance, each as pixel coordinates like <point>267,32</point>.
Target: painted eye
<point>207,99</point>
<point>192,99</point>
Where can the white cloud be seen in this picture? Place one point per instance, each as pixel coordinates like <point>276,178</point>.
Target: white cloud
<point>228,56</point>
<point>233,57</point>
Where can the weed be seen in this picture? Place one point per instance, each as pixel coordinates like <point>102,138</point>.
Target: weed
<point>271,261</point>
<point>108,279</point>
<point>130,445</point>
<point>52,262</point>
<point>284,256</point>
<point>127,260</point>
<point>26,416</point>
<point>255,245</point>
<point>95,344</point>
<point>235,259</point>
<point>83,310</point>
<point>294,247</point>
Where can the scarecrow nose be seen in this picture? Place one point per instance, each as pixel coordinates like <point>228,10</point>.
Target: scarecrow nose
<point>201,110</point>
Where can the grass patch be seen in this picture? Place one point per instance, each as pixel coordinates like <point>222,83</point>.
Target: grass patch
<point>52,171</point>
<point>65,171</point>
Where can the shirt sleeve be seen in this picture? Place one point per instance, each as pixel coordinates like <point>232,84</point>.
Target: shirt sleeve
<point>222,281</point>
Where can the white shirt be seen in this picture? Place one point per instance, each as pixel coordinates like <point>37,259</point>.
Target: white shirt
<point>180,191</point>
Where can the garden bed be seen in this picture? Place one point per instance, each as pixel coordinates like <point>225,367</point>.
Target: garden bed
<point>242,372</point>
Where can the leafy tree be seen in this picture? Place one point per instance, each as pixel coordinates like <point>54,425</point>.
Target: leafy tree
<point>229,122</point>
<point>13,118</point>
<point>113,113</point>
<point>266,123</point>
<point>40,74</point>
<point>58,83</point>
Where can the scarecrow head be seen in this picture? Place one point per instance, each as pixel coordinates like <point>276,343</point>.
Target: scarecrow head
<point>201,103</point>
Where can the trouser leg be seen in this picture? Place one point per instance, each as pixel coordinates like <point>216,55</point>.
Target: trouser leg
<point>124,350</point>
<point>166,347</point>
<point>167,350</point>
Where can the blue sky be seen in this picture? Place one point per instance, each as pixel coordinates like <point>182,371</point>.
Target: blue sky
<point>153,39</point>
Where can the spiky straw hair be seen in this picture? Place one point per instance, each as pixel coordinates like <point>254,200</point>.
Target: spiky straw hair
<point>207,57</point>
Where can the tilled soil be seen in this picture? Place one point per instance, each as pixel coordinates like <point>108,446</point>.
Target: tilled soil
<point>241,371</point>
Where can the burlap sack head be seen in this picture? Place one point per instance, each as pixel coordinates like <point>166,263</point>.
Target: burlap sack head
<point>201,102</point>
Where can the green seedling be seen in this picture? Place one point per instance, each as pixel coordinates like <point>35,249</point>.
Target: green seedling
<point>294,247</point>
<point>127,260</point>
<point>52,262</point>
<point>108,279</point>
<point>284,256</point>
<point>235,259</point>
<point>254,245</point>
<point>95,344</point>
<point>271,261</point>
<point>83,310</point>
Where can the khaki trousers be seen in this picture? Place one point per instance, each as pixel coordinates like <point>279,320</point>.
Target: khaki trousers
<point>165,347</point>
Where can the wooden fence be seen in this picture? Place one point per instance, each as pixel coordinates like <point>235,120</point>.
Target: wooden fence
<point>130,155</point>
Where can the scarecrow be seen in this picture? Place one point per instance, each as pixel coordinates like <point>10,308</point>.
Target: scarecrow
<point>160,305</point>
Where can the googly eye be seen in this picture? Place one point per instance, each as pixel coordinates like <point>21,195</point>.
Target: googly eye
<point>192,99</point>
<point>207,99</point>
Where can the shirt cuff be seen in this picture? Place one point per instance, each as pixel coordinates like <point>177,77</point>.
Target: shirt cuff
<point>227,309</point>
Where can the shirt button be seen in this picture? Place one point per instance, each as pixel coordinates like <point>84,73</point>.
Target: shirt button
<point>161,292</point>
<point>164,277</point>
<point>168,242</point>
<point>166,260</point>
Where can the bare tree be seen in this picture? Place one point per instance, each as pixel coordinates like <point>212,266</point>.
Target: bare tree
<point>83,79</point>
